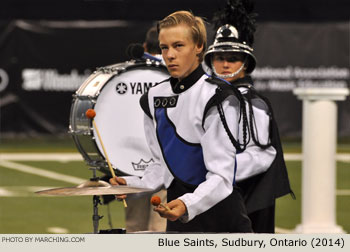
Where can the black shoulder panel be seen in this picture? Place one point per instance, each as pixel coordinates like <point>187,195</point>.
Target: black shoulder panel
<point>145,105</point>
<point>225,90</point>
<point>144,100</point>
<point>254,96</point>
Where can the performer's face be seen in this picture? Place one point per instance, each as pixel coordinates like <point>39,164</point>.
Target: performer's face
<point>179,51</point>
<point>228,63</point>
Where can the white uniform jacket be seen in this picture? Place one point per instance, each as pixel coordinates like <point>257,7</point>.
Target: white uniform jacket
<point>194,138</point>
<point>254,160</point>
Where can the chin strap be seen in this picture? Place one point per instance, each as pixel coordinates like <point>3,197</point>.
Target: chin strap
<point>225,76</point>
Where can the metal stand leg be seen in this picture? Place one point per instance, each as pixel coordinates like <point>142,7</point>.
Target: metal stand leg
<point>96,201</point>
<point>96,218</point>
<point>109,217</point>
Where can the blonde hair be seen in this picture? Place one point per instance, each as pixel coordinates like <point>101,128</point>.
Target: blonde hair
<point>196,24</point>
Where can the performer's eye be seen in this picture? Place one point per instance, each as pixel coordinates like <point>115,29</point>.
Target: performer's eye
<point>233,59</point>
<point>179,45</point>
<point>219,58</point>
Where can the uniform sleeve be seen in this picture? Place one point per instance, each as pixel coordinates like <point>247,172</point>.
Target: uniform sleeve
<point>255,160</point>
<point>153,177</point>
<point>219,158</point>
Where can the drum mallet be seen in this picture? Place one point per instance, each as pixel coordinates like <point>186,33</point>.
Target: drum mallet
<point>156,201</point>
<point>90,113</point>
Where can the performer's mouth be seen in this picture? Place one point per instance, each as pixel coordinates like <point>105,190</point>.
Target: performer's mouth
<point>172,66</point>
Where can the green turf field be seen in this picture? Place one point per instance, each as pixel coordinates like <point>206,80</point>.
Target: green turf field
<point>25,212</point>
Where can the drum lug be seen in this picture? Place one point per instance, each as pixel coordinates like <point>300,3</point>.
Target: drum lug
<point>70,130</point>
<point>92,98</point>
<point>78,132</point>
<point>99,69</point>
<point>149,62</point>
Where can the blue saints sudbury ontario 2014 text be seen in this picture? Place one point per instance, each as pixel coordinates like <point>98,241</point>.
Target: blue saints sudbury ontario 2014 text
<point>232,242</point>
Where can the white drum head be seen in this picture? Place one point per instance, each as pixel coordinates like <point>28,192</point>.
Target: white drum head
<point>119,119</point>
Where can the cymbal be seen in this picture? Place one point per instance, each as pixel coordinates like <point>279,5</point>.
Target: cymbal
<point>93,188</point>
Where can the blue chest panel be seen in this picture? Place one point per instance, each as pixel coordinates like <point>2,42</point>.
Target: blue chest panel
<point>185,160</point>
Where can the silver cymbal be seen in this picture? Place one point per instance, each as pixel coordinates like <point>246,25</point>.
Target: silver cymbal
<point>93,188</point>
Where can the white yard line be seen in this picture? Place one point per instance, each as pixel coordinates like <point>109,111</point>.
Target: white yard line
<point>57,230</point>
<point>343,192</point>
<point>292,156</point>
<point>344,157</point>
<point>4,192</point>
<point>64,157</point>
<point>40,172</point>
<point>21,191</point>
<point>279,230</point>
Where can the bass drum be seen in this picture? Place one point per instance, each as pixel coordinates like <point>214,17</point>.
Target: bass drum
<point>114,93</point>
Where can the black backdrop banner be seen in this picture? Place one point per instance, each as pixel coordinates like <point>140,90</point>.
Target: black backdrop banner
<point>43,63</point>
<point>294,55</point>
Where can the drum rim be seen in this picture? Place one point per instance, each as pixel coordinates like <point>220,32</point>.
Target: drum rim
<point>124,66</point>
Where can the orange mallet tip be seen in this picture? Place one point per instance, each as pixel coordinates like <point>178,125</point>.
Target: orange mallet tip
<point>90,113</point>
<point>155,200</point>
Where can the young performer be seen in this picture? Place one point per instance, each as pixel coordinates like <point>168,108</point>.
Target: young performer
<point>261,170</point>
<point>194,158</point>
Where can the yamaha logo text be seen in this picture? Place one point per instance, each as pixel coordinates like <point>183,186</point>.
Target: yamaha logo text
<point>135,88</point>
